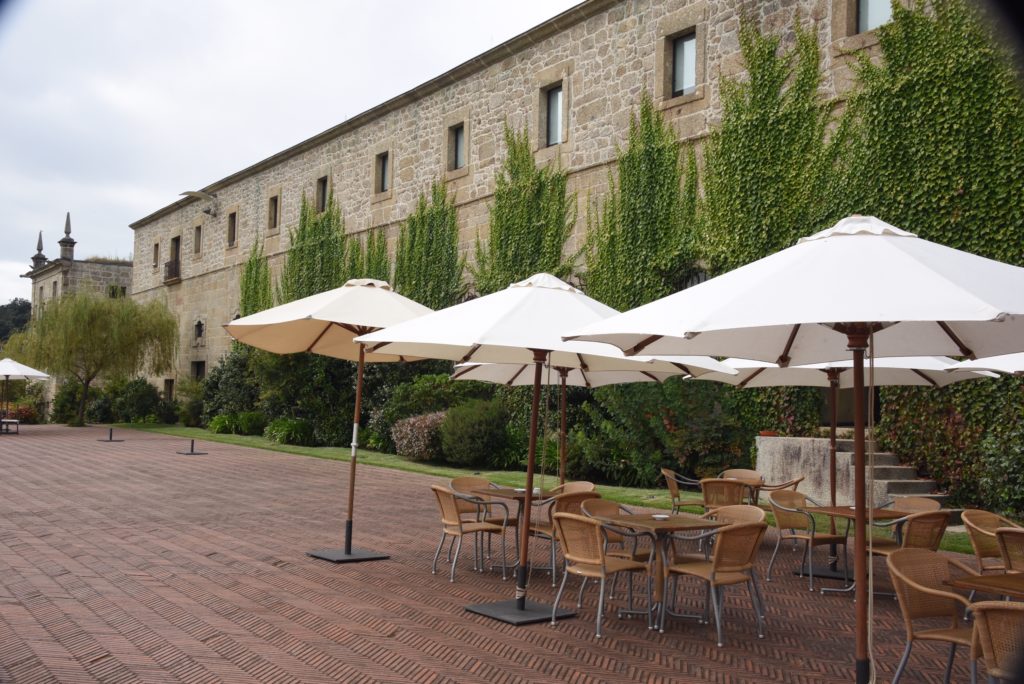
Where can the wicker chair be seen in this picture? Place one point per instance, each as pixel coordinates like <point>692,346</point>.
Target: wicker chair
<point>777,487</point>
<point>981,528</point>
<point>572,488</point>
<point>787,507</point>
<point>919,531</point>
<point>914,504</point>
<point>919,577</point>
<point>738,513</point>
<point>674,480</point>
<point>544,528</point>
<point>583,545</point>
<point>453,525</point>
<point>1011,547</point>
<point>470,485</point>
<point>732,562</point>
<point>720,492</point>
<point>998,639</point>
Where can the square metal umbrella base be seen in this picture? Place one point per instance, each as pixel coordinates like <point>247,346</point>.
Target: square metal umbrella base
<point>339,555</point>
<point>508,612</point>
<point>824,572</point>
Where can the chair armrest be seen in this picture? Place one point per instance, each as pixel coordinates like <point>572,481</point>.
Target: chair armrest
<point>810,518</point>
<point>782,485</point>
<point>686,481</point>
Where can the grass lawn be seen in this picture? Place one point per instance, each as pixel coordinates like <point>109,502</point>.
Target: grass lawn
<point>631,496</point>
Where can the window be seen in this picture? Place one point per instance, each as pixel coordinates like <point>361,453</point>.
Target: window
<point>54,289</point>
<point>872,13</point>
<point>382,173</point>
<point>553,119</point>
<point>457,147</point>
<point>198,370</point>
<point>197,240</point>
<point>169,389</point>
<point>42,293</point>
<point>273,212</point>
<point>232,228</point>
<point>117,291</point>
<point>156,254</point>
<point>684,64</point>
<point>198,329</point>
<point>321,193</point>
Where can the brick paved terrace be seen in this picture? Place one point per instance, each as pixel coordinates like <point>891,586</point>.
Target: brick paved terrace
<point>126,562</point>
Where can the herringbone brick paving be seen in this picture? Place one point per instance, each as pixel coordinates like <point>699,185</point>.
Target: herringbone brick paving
<point>126,562</point>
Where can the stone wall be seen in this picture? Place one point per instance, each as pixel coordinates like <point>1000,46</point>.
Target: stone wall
<point>785,458</point>
<point>605,53</point>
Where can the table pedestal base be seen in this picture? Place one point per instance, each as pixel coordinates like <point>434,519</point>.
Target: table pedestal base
<point>339,555</point>
<point>510,613</point>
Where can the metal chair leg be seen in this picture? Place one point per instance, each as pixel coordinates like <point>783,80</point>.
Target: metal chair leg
<point>451,545</point>
<point>903,663</point>
<point>810,565</point>
<point>600,608</point>
<point>949,663</point>
<point>455,561</point>
<point>437,554</point>
<point>771,562</point>
<point>558,597</point>
<point>758,613</point>
<point>716,599</point>
<point>579,596</point>
<point>553,571</point>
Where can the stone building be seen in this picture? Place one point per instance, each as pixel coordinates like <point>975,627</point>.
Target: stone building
<point>572,82</point>
<point>52,278</point>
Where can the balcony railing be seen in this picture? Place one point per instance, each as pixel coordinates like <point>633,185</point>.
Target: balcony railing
<point>172,271</point>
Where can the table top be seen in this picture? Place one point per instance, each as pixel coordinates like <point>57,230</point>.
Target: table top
<point>748,481</point>
<point>510,493</point>
<point>848,512</point>
<point>1009,584</point>
<point>673,523</point>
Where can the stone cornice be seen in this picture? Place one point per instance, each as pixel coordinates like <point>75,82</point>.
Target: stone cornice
<point>509,48</point>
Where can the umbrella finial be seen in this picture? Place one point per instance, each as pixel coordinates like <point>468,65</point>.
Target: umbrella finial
<point>855,224</point>
<point>546,280</point>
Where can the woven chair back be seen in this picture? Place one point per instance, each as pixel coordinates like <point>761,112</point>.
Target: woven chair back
<point>449,510</point>
<point>742,474</point>
<point>672,482</point>
<point>1011,545</point>
<point>576,487</point>
<point>602,508</point>
<point>787,520</point>
<point>738,513</point>
<point>571,502</point>
<point>913,568</point>
<point>718,492</point>
<point>915,504</point>
<point>925,530</point>
<point>736,545</point>
<point>981,528</point>
<point>581,538</point>
<point>999,635</point>
<point>468,484</point>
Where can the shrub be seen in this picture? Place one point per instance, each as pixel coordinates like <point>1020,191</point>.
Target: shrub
<point>333,430</point>
<point>475,433</point>
<point>26,415</point>
<point>224,424</point>
<point>418,438</point>
<point>134,400</point>
<point>65,402</point>
<point>425,394</point>
<point>290,431</point>
<point>190,413</point>
<point>1002,478</point>
<point>167,412</point>
<point>230,387</point>
<point>250,423</point>
<point>100,408</point>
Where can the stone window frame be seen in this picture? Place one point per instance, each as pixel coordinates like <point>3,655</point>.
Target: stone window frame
<point>451,120</point>
<point>377,153</point>
<point>192,369</point>
<point>844,28</point>
<point>543,81</point>
<point>233,209</point>
<point>273,193</point>
<point>318,200</point>
<point>156,254</point>
<point>683,22</point>
<point>197,238</point>
<point>199,340</point>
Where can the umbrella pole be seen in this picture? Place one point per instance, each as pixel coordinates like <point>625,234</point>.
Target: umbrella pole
<point>563,449</point>
<point>347,555</point>
<point>833,401</point>
<point>531,457</point>
<point>857,338</point>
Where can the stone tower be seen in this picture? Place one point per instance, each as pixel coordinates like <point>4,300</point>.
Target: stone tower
<point>39,260</point>
<point>67,243</point>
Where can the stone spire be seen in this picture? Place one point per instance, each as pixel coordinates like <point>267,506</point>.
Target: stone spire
<point>67,243</point>
<point>39,260</point>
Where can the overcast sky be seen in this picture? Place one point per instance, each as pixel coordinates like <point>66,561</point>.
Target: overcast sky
<point>111,108</point>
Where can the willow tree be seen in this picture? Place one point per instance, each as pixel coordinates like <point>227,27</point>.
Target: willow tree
<point>85,337</point>
<point>531,217</point>
<point>428,268</point>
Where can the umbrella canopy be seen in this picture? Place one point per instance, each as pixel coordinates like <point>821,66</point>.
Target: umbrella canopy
<point>521,325</point>
<point>12,370</point>
<point>1004,363</point>
<point>861,281</point>
<point>326,324</point>
<point>934,371</point>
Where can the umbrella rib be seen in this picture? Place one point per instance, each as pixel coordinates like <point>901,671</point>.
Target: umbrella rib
<point>652,376</point>
<point>469,355</point>
<point>964,349</point>
<point>753,375</point>
<point>784,359</point>
<point>583,364</point>
<point>640,346</point>
<point>459,373</point>
<point>926,378</point>
<point>518,373</point>
<point>682,367</point>
<point>319,337</point>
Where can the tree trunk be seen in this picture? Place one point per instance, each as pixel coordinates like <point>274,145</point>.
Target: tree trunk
<point>80,418</point>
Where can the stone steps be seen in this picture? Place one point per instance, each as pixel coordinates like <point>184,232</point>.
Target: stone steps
<point>892,479</point>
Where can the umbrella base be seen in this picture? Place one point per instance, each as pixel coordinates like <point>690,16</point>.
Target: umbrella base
<point>824,572</point>
<point>508,612</point>
<point>339,555</point>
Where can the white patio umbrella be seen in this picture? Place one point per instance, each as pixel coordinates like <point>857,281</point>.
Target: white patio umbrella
<point>933,371</point>
<point>522,325</point>
<point>326,324</point>
<point>512,374</point>
<point>12,370</point>
<point>826,298</point>
<point>1004,363</point>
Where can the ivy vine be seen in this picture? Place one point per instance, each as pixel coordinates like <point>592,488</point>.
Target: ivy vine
<point>428,267</point>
